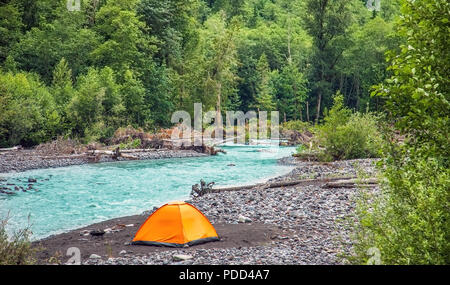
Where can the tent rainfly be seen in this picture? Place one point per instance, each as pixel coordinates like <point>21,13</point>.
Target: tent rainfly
<point>175,224</point>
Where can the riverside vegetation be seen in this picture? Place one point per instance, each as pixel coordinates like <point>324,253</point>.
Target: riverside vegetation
<point>117,63</point>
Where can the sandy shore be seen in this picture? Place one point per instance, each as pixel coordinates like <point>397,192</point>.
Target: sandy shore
<point>286,225</point>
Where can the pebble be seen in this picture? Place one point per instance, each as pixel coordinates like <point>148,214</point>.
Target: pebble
<point>182,257</point>
<point>244,219</point>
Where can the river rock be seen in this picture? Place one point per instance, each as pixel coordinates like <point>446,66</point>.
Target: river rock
<point>182,257</point>
<point>243,219</point>
<point>95,256</point>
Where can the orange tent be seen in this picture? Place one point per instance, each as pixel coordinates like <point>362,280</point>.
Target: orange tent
<point>175,224</point>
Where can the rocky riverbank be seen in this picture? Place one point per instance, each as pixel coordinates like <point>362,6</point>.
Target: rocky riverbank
<point>22,160</point>
<point>287,225</point>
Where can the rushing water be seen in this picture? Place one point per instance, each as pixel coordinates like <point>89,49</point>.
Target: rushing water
<point>76,196</point>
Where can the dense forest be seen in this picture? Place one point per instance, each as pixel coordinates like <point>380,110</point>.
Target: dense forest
<point>374,82</point>
<point>83,74</point>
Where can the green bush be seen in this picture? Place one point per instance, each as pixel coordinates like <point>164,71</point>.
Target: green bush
<point>132,144</point>
<point>300,148</point>
<point>299,126</point>
<point>17,250</point>
<point>408,222</point>
<point>28,114</point>
<point>348,136</point>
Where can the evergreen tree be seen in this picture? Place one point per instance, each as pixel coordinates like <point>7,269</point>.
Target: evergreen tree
<point>264,97</point>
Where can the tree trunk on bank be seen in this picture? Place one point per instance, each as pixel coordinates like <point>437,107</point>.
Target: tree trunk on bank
<point>319,99</point>
<point>219,123</point>
<point>307,111</point>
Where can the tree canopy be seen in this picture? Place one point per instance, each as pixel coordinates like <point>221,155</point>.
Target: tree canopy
<point>116,63</point>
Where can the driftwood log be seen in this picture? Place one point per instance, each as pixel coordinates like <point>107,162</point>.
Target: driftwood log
<point>351,183</point>
<point>273,185</point>
<point>202,189</point>
<point>11,149</point>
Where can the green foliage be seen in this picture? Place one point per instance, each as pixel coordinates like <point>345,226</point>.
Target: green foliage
<point>41,49</point>
<point>298,126</point>
<point>364,64</point>
<point>300,148</point>
<point>124,45</point>
<point>291,90</point>
<point>131,144</point>
<point>28,113</point>
<point>133,93</point>
<point>86,106</point>
<point>116,62</point>
<point>349,136</point>
<point>327,22</point>
<point>62,91</point>
<point>15,250</point>
<point>264,97</point>
<point>409,220</point>
<point>10,28</point>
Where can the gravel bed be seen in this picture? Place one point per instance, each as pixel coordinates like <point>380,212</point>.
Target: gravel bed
<point>23,160</point>
<point>308,216</point>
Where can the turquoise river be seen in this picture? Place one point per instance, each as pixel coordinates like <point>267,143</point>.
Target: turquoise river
<point>71,197</point>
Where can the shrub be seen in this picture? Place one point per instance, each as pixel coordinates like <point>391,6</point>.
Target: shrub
<point>132,144</point>
<point>348,136</point>
<point>300,148</point>
<point>299,126</point>
<point>28,113</point>
<point>17,250</point>
<point>408,222</point>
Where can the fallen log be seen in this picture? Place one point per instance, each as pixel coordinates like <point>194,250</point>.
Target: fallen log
<point>273,185</point>
<point>130,157</point>
<point>106,152</point>
<point>139,150</point>
<point>11,149</point>
<point>352,183</point>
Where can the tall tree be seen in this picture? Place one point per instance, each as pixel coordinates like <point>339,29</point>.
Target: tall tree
<point>220,59</point>
<point>326,21</point>
<point>41,49</point>
<point>124,45</point>
<point>63,92</point>
<point>264,90</point>
<point>10,28</point>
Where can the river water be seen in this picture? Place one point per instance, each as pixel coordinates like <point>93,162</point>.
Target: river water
<point>71,197</point>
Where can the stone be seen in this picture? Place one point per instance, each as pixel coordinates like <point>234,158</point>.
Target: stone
<point>243,219</point>
<point>182,257</point>
<point>95,256</point>
<point>97,232</point>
